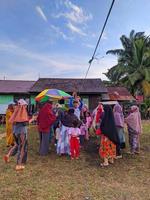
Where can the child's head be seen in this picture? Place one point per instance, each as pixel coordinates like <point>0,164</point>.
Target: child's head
<point>75,104</point>
<point>75,123</point>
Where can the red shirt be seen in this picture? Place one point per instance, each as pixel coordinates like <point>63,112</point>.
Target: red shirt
<point>45,118</point>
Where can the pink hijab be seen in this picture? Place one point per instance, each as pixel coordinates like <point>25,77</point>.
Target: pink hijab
<point>134,120</point>
<point>118,115</point>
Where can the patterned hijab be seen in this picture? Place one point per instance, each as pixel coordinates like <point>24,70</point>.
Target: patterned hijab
<point>20,113</point>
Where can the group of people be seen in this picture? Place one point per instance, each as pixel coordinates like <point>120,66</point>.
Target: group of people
<point>109,125</point>
<point>71,129</point>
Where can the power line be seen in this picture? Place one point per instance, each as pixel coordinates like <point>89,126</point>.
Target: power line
<point>93,56</point>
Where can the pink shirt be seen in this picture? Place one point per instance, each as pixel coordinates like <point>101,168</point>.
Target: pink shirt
<point>74,132</point>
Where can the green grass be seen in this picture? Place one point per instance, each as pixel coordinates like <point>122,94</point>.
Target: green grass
<point>59,178</point>
<point>2,129</point>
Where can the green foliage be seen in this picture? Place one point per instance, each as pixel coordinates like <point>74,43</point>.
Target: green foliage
<point>133,62</point>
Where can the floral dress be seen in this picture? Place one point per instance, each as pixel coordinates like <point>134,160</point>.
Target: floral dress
<point>107,148</point>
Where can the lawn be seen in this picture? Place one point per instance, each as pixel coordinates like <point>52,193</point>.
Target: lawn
<point>59,178</point>
<point>2,129</point>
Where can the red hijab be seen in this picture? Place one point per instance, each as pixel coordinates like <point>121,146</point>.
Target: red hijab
<point>45,118</point>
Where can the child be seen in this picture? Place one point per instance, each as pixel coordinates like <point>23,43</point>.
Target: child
<point>74,133</point>
<point>134,129</point>
<point>57,133</point>
<point>88,120</point>
<point>84,132</point>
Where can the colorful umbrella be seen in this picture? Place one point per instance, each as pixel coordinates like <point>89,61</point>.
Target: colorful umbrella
<point>51,94</point>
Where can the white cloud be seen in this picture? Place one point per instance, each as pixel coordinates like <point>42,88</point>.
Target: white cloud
<point>74,13</point>
<point>26,64</point>
<point>76,17</point>
<point>101,66</point>
<point>41,13</point>
<point>88,45</point>
<point>60,33</point>
<point>75,29</point>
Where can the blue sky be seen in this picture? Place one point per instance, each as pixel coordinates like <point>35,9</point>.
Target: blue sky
<point>56,38</point>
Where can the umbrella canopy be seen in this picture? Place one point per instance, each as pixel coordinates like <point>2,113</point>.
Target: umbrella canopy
<point>52,94</point>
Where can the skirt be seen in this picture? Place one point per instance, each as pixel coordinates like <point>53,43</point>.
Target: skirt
<point>121,137</point>
<point>44,143</point>
<point>107,148</point>
<point>63,145</point>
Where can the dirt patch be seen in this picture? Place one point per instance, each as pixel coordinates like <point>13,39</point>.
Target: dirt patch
<point>2,135</point>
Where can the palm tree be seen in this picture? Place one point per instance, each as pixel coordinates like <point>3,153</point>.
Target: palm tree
<point>133,68</point>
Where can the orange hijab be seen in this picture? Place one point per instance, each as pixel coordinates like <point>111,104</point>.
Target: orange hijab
<point>19,115</point>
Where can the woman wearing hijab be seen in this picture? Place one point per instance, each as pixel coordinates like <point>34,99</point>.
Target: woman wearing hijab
<point>119,121</point>
<point>63,145</point>
<point>19,119</point>
<point>134,129</point>
<point>109,135</point>
<point>9,127</point>
<point>45,120</point>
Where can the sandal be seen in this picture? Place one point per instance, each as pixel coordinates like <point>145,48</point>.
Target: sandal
<point>104,164</point>
<point>111,161</point>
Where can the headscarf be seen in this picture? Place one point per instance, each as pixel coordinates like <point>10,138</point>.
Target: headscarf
<point>45,118</point>
<point>20,112</point>
<point>108,127</point>
<point>22,102</point>
<point>134,119</point>
<point>118,115</point>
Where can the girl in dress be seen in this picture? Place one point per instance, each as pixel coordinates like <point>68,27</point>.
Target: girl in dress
<point>63,145</point>
<point>74,134</point>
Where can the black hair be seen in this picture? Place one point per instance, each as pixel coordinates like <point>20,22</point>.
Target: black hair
<point>75,101</point>
<point>75,124</point>
<point>71,111</point>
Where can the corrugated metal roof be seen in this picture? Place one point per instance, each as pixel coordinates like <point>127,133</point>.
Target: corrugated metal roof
<point>15,86</point>
<point>119,94</point>
<point>69,85</point>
